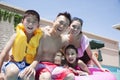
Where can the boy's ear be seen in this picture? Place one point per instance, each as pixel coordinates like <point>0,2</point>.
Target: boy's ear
<point>38,25</point>
<point>22,21</point>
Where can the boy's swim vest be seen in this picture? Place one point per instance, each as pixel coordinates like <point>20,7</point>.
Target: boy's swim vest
<point>21,49</point>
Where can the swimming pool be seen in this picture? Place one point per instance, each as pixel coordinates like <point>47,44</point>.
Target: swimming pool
<point>114,70</point>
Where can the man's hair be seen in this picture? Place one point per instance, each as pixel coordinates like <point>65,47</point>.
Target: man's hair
<point>66,14</point>
<point>77,19</point>
<point>70,46</point>
<point>31,12</point>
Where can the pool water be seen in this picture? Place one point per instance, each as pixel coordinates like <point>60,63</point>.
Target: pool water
<point>114,70</point>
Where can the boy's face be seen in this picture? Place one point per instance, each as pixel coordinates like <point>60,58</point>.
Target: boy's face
<point>61,24</point>
<point>75,28</point>
<point>31,23</point>
<point>71,55</point>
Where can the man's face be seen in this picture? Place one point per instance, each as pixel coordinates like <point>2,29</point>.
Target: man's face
<point>61,24</point>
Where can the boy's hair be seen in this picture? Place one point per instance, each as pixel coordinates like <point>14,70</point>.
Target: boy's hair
<point>70,46</point>
<point>77,19</point>
<point>66,14</point>
<point>31,12</point>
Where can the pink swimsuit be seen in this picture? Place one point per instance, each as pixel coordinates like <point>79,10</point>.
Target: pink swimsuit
<point>82,54</point>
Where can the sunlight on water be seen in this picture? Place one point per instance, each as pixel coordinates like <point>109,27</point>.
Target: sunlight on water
<point>114,70</point>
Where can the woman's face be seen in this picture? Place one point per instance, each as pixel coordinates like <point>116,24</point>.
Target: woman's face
<point>75,28</point>
<point>30,23</point>
<point>71,55</point>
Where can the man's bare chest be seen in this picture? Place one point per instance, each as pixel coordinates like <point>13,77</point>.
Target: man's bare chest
<point>51,45</point>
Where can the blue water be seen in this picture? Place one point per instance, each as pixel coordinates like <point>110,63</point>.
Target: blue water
<point>114,70</point>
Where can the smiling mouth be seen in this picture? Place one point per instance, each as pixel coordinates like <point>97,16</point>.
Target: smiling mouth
<point>29,28</point>
<point>70,59</point>
<point>59,29</point>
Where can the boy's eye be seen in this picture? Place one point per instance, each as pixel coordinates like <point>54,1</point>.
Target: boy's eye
<point>29,21</point>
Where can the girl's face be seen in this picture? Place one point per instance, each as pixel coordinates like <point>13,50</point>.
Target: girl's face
<point>71,55</point>
<point>75,28</point>
<point>30,23</point>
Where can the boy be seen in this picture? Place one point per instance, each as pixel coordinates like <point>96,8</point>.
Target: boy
<point>24,44</point>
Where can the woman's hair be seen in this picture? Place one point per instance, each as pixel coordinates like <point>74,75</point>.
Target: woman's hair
<point>70,46</point>
<point>77,19</point>
<point>31,12</point>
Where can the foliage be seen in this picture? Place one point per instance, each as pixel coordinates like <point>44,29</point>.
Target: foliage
<point>17,19</point>
<point>6,15</point>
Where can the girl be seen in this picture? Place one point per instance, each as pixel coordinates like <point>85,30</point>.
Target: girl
<point>73,63</point>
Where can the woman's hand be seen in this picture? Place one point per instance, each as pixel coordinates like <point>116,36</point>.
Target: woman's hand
<point>104,70</point>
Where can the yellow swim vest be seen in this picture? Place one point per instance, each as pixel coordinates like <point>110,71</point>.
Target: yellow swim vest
<point>21,49</point>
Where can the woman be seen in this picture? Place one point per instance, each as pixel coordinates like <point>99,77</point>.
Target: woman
<point>81,42</point>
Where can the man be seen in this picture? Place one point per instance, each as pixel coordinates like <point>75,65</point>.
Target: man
<point>51,43</point>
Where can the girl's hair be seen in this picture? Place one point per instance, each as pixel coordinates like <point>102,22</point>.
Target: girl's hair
<point>70,46</point>
<point>78,19</point>
<point>31,12</point>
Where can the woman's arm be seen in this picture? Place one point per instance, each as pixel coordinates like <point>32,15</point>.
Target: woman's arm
<point>92,57</point>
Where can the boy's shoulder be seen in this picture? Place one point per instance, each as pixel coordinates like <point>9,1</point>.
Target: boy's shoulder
<point>45,28</point>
